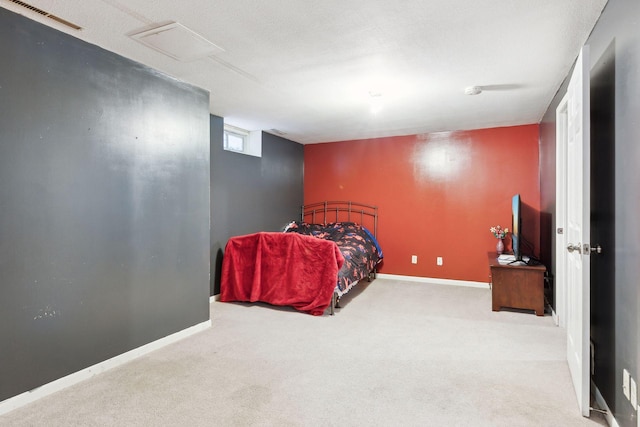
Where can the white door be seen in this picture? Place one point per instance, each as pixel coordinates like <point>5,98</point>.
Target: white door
<point>577,229</point>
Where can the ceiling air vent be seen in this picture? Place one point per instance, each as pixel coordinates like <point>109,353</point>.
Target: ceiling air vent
<point>46,14</point>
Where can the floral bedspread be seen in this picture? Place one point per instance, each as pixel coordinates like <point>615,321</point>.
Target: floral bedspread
<point>359,248</point>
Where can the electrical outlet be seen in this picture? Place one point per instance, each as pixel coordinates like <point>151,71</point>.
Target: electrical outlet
<point>633,393</point>
<point>625,384</point>
<point>414,259</point>
<point>439,260</point>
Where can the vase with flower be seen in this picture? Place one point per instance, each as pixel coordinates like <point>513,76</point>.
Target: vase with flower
<point>499,233</point>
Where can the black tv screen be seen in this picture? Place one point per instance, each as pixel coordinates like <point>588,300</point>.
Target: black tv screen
<point>516,227</point>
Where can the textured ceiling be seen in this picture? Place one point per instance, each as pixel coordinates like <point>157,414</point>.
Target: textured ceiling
<point>309,68</point>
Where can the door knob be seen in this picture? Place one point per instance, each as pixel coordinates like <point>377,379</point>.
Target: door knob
<point>571,248</point>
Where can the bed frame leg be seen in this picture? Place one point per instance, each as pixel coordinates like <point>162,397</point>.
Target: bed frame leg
<point>334,302</point>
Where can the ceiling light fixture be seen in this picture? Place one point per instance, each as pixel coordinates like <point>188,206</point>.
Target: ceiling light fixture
<point>473,90</point>
<point>375,102</point>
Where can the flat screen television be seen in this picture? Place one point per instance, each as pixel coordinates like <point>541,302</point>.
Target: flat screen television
<point>516,227</point>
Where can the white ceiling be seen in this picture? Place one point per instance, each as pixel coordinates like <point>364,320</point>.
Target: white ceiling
<point>308,68</point>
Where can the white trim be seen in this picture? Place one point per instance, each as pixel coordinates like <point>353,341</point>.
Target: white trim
<point>30,396</point>
<point>450,282</point>
<point>603,405</point>
<point>554,315</point>
<point>214,298</point>
<point>561,211</point>
<point>235,129</point>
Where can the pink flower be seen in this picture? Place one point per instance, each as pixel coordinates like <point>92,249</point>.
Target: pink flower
<point>499,232</point>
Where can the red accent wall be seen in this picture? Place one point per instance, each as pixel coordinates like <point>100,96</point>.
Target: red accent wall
<point>437,193</point>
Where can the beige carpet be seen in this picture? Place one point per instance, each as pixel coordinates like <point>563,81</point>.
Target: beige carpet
<point>396,354</point>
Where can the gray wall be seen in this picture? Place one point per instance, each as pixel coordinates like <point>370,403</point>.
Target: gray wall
<point>615,61</point>
<point>251,194</point>
<point>104,205</point>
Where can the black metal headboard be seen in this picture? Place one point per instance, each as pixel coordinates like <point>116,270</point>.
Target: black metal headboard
<point>321,212</point>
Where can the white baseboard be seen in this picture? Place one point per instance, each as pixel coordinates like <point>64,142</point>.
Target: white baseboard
<point>30,396</point>
<point>434,281</point>
<point>213,298</point>
<point>603,405</point>
<point>556,320</point>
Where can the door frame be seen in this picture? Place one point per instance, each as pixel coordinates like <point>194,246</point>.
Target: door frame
<point>560,313</point>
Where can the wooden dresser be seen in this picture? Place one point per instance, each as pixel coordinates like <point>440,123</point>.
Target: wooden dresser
<point>516,286</point>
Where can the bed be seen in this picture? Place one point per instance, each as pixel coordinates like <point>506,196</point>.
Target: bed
<point>309,266</point>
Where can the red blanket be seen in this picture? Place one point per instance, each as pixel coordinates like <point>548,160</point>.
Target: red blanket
<point>281,269</point>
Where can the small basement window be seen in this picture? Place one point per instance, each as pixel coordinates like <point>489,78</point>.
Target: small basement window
<point>242,141</point>
<point>235,138</point>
